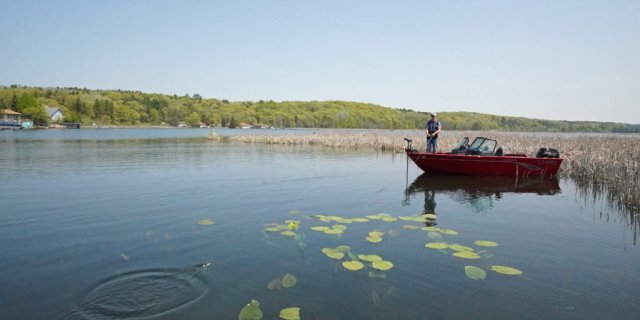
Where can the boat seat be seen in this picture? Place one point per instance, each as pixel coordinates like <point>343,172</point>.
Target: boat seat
<point>499,152</point>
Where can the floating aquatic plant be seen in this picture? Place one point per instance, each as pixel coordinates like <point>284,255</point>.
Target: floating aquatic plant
<point>288,233</point>
<point>506,270</point>
<point>353,265</point>
<point>275,284</point>
<point>466,255</point>
<point>206,222</point>
<point>332,253</point>
<point>320,228</point>
<point>376,239</point>
<point>430,216</point>
<point>475,273</point>
<point>431,229</point>
<point>459,247</point>
<point>484,243</point>
<point>437,245</point>
<point>410,227</point>
<point>448,231</point>
<point>343,249</point>
<point>382,265</point>
<point>289,280</point>
<point>290,313</point>
<point>251,311</point>
<point>369,257</point>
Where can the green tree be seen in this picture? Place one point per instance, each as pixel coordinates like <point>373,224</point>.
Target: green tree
<point>193,119</point>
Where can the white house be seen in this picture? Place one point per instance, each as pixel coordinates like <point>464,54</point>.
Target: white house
<point>55,113</point>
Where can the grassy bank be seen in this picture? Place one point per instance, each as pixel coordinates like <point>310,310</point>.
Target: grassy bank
<point>600,163</point>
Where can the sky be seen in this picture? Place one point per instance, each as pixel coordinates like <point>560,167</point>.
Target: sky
<point>559,60</point>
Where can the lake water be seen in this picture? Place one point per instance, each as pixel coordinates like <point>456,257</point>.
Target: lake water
<point>112,224</point>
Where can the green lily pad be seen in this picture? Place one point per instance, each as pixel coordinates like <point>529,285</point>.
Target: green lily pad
<point>437,245</point>
<point>382,265</point>
<point>290,313</point>
<point>459,247</point>
<point>320,228</point>
<point>360,220</point>
<point>275,284</point>
<point>353,265</point>
<point>430,216</point>
<point>389,219</point>
<point>376,234</point>
<point>369,257</point>
<point>251,311</point>
<point>410,227</point>
<point>374,239</point>
<point>475,273</point>
<point>289,280</point>
<point>506,270</point>
<point>431,229</point>
<point>273,229</point>
<point>288,233</point>
<point>466,255</point>
<point>343,249</point>
<point>339,227</point>
<point>448,231</point>
<point>332,253</point>
<point>484,243</point>
<point>434,235</point>
<point>334,231</point>
<point>206,222</point>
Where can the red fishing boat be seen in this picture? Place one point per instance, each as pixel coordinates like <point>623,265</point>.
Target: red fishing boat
<point>483,158</point>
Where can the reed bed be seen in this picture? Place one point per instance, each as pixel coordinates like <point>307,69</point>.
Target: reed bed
<point>602,164</point>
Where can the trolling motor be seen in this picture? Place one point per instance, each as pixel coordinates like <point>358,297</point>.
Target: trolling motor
<point>408,148</point>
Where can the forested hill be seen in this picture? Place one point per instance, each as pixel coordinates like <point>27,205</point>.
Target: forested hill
<point>132,108</point>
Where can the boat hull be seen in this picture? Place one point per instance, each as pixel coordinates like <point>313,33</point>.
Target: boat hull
<point>484,165</point>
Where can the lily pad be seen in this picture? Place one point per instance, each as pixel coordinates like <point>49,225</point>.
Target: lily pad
<point>369,257</point>
<point>506,270</point>
<point>374,239</point>
<point>360,220</point>
<point>448,231</point>
<point>434,235</point>
<point>459,247</point>
<point>389,219</point>
<point>320,228</point>
<point>251,311</point>
<point>288,233</point>
<point>410,227</point>
<point>339,227</point>
<point>343,249</point>
<point>484,243</point>
<point>437,245</point>
<point>206,222</point>
<point>334,231</point>
<point>376,234</point>
<point>289,280</point>
<point>466,255</point>
<point>332,253</point>
<point>290,313</point>
<point>430,216</point>
<point>475,273</point>
<point>275,284</point>
<point>273,229</point>
<point>353,265</point>
<point>382,265</point>
<point>431,229</point>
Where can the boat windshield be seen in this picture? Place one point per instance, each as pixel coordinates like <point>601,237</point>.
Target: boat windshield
<point>483,145</point>
<point>463,144</point>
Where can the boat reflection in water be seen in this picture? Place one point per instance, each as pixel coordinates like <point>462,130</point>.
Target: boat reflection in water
<point>479,192</point>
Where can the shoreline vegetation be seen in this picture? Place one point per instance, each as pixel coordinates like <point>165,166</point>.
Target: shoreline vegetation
<point>607,164</point>
<point>124,108</point>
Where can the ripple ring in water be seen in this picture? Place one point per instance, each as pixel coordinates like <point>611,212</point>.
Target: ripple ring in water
<point>142,294</point>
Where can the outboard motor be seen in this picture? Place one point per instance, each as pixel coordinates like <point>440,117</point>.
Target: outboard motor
<point>548,153</point>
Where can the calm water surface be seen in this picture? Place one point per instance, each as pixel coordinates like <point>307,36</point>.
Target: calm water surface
<point>103,224</point>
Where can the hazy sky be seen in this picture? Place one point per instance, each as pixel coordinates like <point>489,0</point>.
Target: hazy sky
<point>561,60</point>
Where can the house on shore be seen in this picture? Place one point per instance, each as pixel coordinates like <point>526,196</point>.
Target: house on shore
<point>10,120</point>
<point>55,114</point>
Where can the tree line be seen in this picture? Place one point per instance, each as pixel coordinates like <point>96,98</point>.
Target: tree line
<point>134,108</point>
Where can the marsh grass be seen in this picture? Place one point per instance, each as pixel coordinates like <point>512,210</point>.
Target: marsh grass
<point>602,164</point>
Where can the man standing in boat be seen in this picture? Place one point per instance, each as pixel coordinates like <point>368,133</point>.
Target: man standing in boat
<point>432,130</point>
